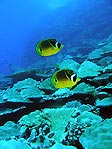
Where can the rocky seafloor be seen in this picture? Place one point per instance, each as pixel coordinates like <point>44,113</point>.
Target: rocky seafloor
<point>34,115</point>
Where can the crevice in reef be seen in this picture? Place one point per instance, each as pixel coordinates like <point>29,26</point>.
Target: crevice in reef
<point>15,116</point>
<point>106,112</point>
<point>28,107</point>
<point>20,109</point>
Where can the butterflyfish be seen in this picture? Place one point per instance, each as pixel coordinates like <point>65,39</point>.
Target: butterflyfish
<point>65,78</point>
<point>48,47</point>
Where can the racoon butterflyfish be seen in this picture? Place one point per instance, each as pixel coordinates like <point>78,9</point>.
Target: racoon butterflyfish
<point>64,78</point>
<point>48,47</point>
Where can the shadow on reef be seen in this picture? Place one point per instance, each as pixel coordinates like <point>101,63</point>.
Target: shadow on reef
<point>20,109</point>
<point>106,112</point>
<point>23,109</point>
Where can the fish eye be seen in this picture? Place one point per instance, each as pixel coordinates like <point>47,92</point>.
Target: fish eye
<point>40,49</point>
<point>55,80</point>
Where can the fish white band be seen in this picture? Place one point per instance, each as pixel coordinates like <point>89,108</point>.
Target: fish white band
<point>72,76</point>
<point>56,44</point>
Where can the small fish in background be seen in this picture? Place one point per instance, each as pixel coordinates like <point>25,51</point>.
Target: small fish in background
<point>65,78</point>
<point>48,47</point>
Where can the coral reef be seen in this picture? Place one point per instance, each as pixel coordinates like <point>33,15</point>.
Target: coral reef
<point>9,130</point>
<point>70,64</point>
<point>89,69</point>
<point>22,91</point>
<point>104,102</point>
<point>52,117</point>
<point>12,144</point>
<point>60,146</point>
<point>44,117</point>
<point>75,129</point>
<point>98,136</point>
<point>46,125</point>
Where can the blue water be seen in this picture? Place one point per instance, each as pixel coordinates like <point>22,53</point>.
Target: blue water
<point>75,23</point>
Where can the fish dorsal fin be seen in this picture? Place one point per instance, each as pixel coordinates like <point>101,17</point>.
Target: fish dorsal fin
<point>52,42</point>
<point>55,43</point>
